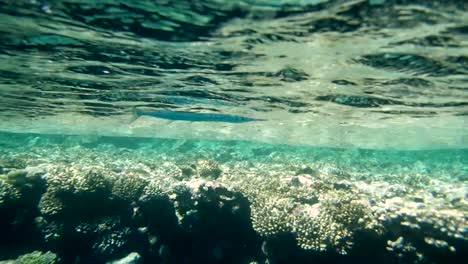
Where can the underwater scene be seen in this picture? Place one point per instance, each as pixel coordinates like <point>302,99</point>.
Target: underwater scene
<point>222,131</point>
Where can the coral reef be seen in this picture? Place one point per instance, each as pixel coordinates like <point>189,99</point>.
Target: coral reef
<point>114,205</point>
<point>8,193</point>
<point>35,257</point>
<point>38,257</point>
<point>73,190</point>
<point>317,212</point>
<point>423,234</point>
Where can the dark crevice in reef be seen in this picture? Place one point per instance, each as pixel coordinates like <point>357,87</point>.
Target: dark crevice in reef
<point>21,192</point>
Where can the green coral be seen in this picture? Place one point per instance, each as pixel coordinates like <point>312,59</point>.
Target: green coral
<point>37,257</point>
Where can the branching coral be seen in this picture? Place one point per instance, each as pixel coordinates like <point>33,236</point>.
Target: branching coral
<point>330,224</point>
<point>319,215</point>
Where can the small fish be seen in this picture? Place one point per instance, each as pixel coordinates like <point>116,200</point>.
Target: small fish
<point>194,117</point>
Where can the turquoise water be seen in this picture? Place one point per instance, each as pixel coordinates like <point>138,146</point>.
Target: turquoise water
<point>354,149</point>
<point>447,164</point>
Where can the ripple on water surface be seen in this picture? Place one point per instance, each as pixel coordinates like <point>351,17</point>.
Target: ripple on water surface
<point>372,74</point>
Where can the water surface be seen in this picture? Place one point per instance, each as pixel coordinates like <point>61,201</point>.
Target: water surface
<point>366,74</point>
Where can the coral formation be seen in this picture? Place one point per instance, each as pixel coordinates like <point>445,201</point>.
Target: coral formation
<point>8,193</point>
<point>35,257</point>
<point>332,223</point>
<point>146,207</point>
<point>76,187</point>
<point>318,213</point>
<point>38,257</point>
<point>129,186</point>
<point>424,234</point>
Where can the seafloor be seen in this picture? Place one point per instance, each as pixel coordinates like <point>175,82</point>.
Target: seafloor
<point>68,199</point>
